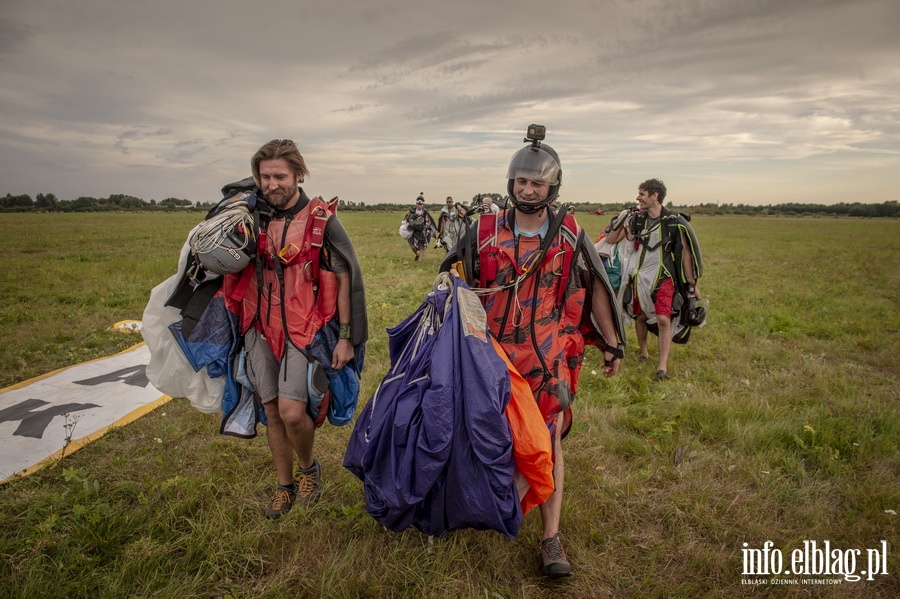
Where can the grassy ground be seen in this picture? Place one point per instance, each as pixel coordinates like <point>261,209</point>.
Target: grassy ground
<point>780,424</point>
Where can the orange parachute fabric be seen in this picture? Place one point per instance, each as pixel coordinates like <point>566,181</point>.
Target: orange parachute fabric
<point>532,449</point>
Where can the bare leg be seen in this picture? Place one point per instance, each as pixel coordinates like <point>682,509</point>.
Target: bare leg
<point>280,446</point>
<point>640,327</point>
<point>300,430</point>
<point>665,340</point>
<point>551,510</point>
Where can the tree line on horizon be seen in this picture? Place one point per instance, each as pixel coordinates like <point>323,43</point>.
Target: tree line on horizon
<point>127,203</point>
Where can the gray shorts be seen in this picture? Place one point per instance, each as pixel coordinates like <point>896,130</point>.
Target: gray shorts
<point>270,380</point>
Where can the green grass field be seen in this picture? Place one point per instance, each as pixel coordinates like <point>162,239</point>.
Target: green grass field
<point>780,424</point>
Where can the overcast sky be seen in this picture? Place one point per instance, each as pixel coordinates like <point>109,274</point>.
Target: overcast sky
<point>743,101</point>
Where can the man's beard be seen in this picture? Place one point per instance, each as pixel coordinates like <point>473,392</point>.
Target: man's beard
<point>281,200</point>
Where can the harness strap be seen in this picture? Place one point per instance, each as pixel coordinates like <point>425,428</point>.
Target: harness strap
<point>563,282</point>
<point>316,225</point>
<point>487,248</point>
<point>240,290</point>
<point>487,230</point>
<point>557,220</point>
<point>261,247</point>
<point>279,272</point>
<point>314,237</point>
<point>264,213</point>
<point>308,254</point>
<point>488,226</point>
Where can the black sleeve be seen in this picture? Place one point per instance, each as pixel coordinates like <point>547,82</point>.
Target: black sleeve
<point>339,244</point>
<point>594,268</point>
<point>465,252</point>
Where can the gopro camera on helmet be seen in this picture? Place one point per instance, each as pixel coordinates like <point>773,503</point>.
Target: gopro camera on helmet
<point>535,134</point>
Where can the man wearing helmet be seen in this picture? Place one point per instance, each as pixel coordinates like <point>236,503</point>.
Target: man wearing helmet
<point>306,280</point>
<point>546,294</point>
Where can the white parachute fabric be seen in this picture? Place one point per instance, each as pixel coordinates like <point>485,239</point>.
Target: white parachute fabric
<point>405,233</point>
<point>169,369</point>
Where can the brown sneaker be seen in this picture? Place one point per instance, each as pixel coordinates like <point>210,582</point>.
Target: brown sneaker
<point>309,483</point>
<point>553,558</point>
<point>281,504</point>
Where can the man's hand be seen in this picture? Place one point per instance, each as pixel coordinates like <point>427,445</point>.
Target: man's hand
<point>343,353</point>
<point>610,364</point>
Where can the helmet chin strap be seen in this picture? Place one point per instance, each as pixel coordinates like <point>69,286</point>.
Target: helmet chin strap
<point>529,208</point>
<point>526,208</point>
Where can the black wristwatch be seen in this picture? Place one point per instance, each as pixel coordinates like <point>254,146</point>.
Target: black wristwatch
<point>344,332</point>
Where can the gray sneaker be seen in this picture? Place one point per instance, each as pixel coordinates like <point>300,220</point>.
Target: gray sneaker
<point>309,483</point>
<point>553,558</point>
<point>282,502</point>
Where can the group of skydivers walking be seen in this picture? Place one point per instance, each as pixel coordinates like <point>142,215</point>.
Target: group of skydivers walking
<point>418,227</point>
<point>294,283</point>
<point>653,250</point>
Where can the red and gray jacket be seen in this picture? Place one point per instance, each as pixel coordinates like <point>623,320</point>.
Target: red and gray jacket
<point>536,293</point>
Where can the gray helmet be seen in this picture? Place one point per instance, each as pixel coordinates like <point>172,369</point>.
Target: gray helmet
<point>224,243</point>
<point>317,387</point>
<point>538,162</point>
<point>230,254</point>
<point>316,381</point>
<point>696,312</point>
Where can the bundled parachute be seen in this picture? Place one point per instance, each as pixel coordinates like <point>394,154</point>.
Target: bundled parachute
<point>433,446</point>
<point>191,328</point>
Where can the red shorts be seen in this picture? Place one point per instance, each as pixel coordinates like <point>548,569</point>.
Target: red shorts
<point>663,302</point>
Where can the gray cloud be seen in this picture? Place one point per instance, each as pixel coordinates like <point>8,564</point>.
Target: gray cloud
<point>171,98</point>
<point>12,37</point>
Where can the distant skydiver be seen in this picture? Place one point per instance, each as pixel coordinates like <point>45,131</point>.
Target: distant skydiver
<point>659,290</point>
<point>422,227</point>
